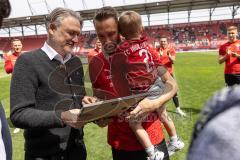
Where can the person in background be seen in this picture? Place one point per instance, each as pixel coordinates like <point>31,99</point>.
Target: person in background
<point>16,45</point>
<point>167,56</point>
<point>230,54</point>
<point>95,51</point>
<point>10,60</point>
<point>5,136</point>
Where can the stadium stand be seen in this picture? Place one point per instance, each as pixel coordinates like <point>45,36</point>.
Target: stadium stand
<point>184,37</point>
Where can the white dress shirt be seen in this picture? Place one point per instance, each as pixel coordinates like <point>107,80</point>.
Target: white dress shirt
<point>52,54</point>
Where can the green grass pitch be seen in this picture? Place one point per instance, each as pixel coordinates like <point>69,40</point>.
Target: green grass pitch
<point>198,76</point>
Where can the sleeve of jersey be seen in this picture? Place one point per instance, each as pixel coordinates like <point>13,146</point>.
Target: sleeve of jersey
<point>118,72</point>
<point>8,66</point>
<point>156,59</point>
<point>222,50</point>
<point>173,52</point>
<point>95,68</point>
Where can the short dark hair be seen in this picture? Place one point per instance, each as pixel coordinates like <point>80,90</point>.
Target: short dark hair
<point>163,36</point>
<point>15,39</point>
<point>230,28</point>
<point>105,13</point>
<point>5,10</point>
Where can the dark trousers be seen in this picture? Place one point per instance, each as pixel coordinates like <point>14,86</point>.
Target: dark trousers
<point>175,97</point>
<point>6,136</point>
<point>75,152</point>
<point>175,100</point>
<point>232,79</point>
<point>138,155</point>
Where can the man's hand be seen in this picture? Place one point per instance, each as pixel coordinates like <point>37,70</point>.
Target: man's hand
<point>223,58</point>
<point>228,51</point>
<point>235,55</point>
<point>143,108</point>
<point>147,106</point>
<point>88,100</point>
<point>71,118</point>
<point>168,52</point>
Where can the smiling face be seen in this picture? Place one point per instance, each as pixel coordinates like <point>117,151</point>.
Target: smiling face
<point>64,37</point>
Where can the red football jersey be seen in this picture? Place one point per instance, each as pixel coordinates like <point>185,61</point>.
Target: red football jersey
<point>232,64</point>
<point>133,67</point>
<point>164,58</point>
<point>92,53</point>
<point>101,78</point>
<point>120,135</point>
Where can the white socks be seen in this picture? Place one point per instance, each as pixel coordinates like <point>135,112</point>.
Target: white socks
<point>150,151</point>
<point>174,138</point>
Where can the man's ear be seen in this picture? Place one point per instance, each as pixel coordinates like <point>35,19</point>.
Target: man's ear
<point>51,28</point>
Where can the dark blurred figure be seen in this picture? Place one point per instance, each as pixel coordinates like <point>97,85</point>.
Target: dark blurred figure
<point>216,133</point>
<point>5,9</point>
<point>5,137</point>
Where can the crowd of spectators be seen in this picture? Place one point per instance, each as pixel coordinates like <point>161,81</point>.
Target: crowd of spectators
<point>188,36</point>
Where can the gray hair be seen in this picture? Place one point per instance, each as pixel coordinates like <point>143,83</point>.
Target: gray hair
<point>58,14</point>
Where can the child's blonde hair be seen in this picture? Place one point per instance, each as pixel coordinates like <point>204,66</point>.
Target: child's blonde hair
<point>130,24</point>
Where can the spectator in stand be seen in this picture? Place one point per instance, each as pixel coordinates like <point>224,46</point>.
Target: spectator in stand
<point>230,54</point>
<point>10,60</point>
<point>223,28</point>
<point>95,51</point>
<point>167,56</point>
<point>5,136</point>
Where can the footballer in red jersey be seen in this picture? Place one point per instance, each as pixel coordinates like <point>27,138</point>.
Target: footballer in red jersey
<point>10,60</point>
<point>230,54</point>
<point>16,45</point>
<point>95,51</point>
<point>167,56</point>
